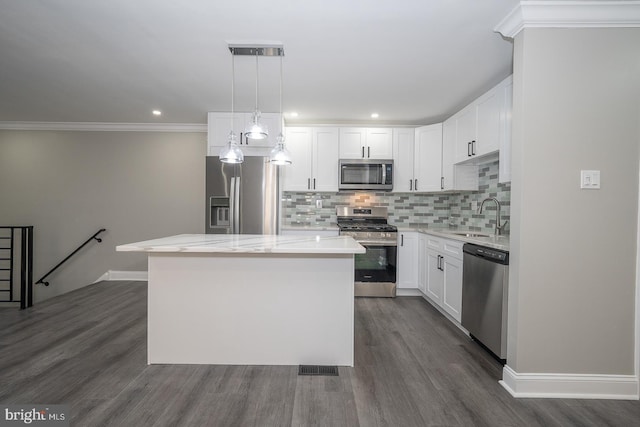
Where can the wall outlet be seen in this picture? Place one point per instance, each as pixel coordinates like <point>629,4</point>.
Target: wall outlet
<point>319,204</point>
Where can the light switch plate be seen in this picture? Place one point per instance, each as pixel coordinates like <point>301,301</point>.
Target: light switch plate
<point>319,204</point>
<point>590,180</point>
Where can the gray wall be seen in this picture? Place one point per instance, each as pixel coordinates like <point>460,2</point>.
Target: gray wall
<point>137,185</point>
<point>573,265</point>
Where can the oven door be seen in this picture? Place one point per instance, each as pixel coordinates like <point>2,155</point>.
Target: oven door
<point>378,263</point>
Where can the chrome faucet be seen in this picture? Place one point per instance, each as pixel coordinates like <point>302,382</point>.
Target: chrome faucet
<point>499,225</point>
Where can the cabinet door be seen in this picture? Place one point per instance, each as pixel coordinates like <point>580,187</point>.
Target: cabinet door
<point>403,154</point>
<point>297,175</point>
<point>435,278</point>
<point>408,262</point>
<point>504,174</point>
<point>465,132</point>
<point>423,275</point>
<point>448,154</point>
<point>352,143</point>
<point>489,110</point>
<point>326,150</point>
<point>452,294</point>
<point>379,143</point>
<point>428,158</point>
<point>218,128</point>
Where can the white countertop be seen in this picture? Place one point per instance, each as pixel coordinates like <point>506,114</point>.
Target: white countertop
<point>492,241</point>
<point>247,243</point>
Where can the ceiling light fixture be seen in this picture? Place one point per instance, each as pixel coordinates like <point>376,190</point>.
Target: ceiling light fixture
<point>231,152</point>
<point>156,112</point>
<point>375,115</point>
<point>280,155</point>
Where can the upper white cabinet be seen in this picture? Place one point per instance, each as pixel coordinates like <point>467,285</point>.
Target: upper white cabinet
<point>417,156</point>
<point>480,126</point>
<point>366,143</point>
<point>423,161</point>
<point>314,153</point>
<point>428,158</point>
<point>220,124</point>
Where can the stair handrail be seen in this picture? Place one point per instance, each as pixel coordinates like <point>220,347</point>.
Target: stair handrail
<point>94,237</point>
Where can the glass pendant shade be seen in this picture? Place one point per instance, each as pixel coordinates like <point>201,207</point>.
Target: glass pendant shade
<point>279,154</point>
<point>256,130</point>
<point>231,152</point>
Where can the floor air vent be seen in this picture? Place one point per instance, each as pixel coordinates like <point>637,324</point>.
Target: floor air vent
<point>317,370</point>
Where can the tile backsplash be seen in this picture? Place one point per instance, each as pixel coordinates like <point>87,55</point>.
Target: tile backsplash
<point>408,209</point>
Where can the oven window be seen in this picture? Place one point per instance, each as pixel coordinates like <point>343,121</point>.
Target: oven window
<point>361,174</point>
<point>378,264</point>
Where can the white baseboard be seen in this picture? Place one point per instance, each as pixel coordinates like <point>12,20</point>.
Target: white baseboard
<point>570,386</point>
<point>138,276</point>
<point>408,292</point>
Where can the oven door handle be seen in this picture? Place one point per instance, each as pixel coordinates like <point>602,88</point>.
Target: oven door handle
<point>377,243</point>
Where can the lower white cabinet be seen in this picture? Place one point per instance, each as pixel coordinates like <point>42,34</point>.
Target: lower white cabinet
<point>443,275</point>
<point>407,271</point>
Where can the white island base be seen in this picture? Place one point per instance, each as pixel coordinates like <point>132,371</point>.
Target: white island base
<point>279,304</point>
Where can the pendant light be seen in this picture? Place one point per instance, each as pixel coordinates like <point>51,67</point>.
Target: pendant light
<point>231,152</point>
<point>255,129</point>
<point>280,155</point>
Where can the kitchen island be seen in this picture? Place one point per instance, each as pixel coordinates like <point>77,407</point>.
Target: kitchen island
<point>250,299</point>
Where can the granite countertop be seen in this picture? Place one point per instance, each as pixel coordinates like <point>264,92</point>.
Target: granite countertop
<point>333,227</point>
<point>491,241</point>
<point>247,243</point>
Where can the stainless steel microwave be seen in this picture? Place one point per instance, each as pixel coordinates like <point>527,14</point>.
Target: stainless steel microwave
<point>366,174</point>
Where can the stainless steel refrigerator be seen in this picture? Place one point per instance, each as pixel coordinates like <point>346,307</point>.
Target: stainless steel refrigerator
<point>241,198</point>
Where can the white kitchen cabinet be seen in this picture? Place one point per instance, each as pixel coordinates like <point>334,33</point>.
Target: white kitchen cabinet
<point>408,262</point>
<point>455,177</point>
<point>417,155</point>
<point>219,125</point>
<point>403,159</point>
<point>366,143</point>
<point>443,284</point>
<point>480,125</point>
<point>428,158</point>
<point>504,174</point>
<point>314,155</point>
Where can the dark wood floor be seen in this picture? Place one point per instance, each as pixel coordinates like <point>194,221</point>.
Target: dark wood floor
<point>87,349</point>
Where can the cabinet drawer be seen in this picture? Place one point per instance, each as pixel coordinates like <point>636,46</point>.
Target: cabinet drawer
<point>435,243</point>
<point>453,248</point>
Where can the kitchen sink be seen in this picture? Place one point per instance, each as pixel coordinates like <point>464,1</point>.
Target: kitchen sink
<point>468,234</point>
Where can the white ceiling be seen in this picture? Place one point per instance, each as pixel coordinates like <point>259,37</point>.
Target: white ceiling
<point>411,61</point>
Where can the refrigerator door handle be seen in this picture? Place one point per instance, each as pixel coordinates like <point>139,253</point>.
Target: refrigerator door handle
<point>232,206</point>
<point>236,201</point>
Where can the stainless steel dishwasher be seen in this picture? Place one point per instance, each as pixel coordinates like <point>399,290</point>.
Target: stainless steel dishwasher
<point>485,287</point>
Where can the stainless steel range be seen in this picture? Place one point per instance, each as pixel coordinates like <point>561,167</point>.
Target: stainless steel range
<point>375,270</point>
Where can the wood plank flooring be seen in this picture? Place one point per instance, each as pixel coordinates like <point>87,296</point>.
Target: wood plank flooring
<point>87,349</point>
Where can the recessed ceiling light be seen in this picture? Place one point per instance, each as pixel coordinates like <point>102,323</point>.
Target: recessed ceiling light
<point>375,115</point>
<point>156,112</point>
<point>293,114</point>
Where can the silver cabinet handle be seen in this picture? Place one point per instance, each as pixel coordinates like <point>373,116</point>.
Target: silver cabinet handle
<point>363,152</point>
<point>415,186</point>
<point>314,183</point>
<point>473,148</point>
<point>368,152</point>
<point>468,149</point>
<point>410,185</point>
<point>402,240</point>
<point>308,183</point>
<point>442,182</point>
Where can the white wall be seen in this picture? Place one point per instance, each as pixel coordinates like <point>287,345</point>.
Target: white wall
<point>573,264</point>
<point>137,185</point>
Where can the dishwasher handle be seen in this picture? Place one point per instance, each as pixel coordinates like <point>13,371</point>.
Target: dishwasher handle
<point>490,254</point>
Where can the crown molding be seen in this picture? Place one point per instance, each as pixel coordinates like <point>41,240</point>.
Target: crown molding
<point>105,127</point>
<point>570,14</point>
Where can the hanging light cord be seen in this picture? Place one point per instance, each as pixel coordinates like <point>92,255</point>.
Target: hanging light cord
<point>233,74</point>
<point>256,79</point>
<point>281,113</point>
